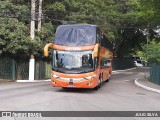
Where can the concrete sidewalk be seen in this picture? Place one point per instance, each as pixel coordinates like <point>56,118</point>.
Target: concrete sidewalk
<point>147,84</point>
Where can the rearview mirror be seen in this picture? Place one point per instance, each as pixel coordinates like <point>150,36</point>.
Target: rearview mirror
<point>46,49</point>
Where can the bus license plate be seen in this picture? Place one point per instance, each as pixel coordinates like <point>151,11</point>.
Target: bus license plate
<point>71,84</point>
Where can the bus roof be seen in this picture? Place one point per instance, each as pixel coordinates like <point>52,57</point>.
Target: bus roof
<point>75,35</point>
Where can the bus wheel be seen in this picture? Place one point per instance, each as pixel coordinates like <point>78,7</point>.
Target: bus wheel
<point>108,78</point>
<point>99,83</point>
<point>101,80</point>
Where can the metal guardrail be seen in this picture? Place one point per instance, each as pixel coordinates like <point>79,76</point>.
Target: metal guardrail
<point>11,69</point>
<point>155,73</point>
<point>7,68</point>
<point>19,69</point>
<point>123,63</point>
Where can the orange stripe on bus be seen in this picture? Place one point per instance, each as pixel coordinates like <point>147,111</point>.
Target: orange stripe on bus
<point>58,47</point>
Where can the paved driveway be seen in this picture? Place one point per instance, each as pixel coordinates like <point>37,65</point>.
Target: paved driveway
<point>120,94</point>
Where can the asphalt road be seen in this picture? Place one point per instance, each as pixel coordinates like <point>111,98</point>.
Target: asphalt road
<point>119,94</point>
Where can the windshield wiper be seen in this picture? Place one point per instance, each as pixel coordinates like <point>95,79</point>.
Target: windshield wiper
<point>85,71</point>
<point>59,70</point>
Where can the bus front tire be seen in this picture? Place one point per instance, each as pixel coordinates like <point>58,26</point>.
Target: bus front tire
<point>99,84</point>
<point>108,78</point>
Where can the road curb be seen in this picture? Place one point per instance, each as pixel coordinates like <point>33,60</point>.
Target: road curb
<point>145,87</point>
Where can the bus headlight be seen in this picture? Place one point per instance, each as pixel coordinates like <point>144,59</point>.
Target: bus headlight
<point>55,76</point>
<point>89,77</point>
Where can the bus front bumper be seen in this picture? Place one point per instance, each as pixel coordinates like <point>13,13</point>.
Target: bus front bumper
<point>74,84</point>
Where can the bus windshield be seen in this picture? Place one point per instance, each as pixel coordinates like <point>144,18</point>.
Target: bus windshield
<point>73,62</point>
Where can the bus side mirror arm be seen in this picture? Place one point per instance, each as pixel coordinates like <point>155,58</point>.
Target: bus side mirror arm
<point>95,54</point>
<point>46,49</point>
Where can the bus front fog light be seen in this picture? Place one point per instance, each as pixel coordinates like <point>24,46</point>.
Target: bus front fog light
<point>88,84</point>
<point>54,82</point>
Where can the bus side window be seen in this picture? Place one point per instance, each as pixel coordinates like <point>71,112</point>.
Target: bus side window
<point>102,62</point>
<point>105,62</point>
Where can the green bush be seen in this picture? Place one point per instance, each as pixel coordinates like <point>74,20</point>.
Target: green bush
<point>152,52</point>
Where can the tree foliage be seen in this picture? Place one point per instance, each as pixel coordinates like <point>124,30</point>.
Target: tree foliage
<point>14,35</point>
<point>152,52</point>
<point>15,38</point>
<point>124,21</point>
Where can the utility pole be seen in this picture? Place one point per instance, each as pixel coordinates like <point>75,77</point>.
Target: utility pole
<point>40,15</point>
<point>32,35</point>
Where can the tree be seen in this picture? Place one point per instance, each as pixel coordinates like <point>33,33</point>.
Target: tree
<point>14,37</point>
<point>124,21</point>
<point>14,30</point>
<point>152,52</point>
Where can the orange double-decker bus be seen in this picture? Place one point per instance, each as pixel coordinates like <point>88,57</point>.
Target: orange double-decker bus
<point>82,56</point>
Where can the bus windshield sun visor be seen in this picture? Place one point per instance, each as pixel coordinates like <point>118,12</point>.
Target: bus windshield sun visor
<point>75,35</point>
